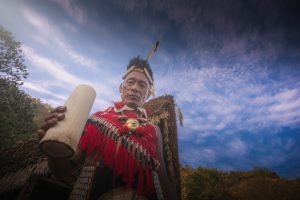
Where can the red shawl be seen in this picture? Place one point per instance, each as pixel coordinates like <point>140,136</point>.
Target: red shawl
<point>102,131</point>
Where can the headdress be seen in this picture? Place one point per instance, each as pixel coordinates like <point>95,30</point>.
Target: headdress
<point>143,66</point>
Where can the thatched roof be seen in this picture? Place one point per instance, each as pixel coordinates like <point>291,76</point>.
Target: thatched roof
<point>19,162</point>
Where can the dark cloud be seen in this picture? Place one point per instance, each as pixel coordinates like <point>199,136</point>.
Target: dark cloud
<point>217,31</point>
<point>219,19</point>
<point>208,22</point>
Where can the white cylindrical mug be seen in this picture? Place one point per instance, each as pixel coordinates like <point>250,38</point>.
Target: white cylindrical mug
<point>61,140</point>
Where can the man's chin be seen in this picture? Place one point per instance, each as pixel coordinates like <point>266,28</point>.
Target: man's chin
<point>132,104</point>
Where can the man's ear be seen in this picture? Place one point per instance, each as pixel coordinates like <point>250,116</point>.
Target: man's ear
<point>120,88</point>
<point>149,94</point>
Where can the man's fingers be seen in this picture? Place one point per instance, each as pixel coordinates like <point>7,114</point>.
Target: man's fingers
<point>50,123</point>
<point>41,133</point>
<point>56,115</point>
<point>59,116</point>
<point>59,109</point>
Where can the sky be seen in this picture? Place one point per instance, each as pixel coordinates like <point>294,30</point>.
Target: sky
<point>232,66</point>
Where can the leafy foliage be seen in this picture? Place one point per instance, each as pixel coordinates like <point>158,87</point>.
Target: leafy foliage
<point>40,110</point>
<point>20,115</point>
<point>12,67</point>
<point>205,184</point>
<point>16,114</point>
<point>260,184</point>
<point>17,109</point>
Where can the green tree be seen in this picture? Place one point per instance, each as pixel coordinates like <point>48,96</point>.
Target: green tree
<point>12,67</point>
<point>259,183</point>
<point>16,114</point>
<point>41,111</point>
<point>206,184</point>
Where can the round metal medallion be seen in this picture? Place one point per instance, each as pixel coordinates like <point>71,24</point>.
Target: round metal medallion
<point>132,124</point>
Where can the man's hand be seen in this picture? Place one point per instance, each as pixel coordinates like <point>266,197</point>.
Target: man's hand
<point>56,115</point>
<point>61,168</point>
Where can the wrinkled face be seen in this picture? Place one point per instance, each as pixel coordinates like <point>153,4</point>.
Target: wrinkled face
<point>135,89</point>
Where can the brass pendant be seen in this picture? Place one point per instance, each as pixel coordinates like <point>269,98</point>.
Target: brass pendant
<point>132,124</point>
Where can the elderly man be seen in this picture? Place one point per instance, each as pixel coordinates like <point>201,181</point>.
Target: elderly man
<point>122,143</point>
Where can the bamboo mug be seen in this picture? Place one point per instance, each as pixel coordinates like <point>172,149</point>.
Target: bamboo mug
<point>61,140</point>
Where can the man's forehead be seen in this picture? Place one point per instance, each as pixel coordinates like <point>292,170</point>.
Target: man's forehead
<point>141,69</point>
<point>137,74</point>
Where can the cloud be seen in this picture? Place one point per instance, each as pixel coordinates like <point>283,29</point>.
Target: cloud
<point>285,144</point>
<point>65,80</point>
<point>131,5</point>
<point>219,123</point>
<point>78,58</point>
<point>198,156</point>
<point>209,32</point>
<point>272,159</point>
<point>233,99</point>
<point>37,88</point>
<point>286,106</point>
<point>287,95</point>
<point>53,68</point>
<point>49,34</point>
<point>74,10</point>
<point>237,148</point>
<point>240,151</point>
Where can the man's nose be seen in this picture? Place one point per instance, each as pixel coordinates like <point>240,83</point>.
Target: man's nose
<point>135,87</point>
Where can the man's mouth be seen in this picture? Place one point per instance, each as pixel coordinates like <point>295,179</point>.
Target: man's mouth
<point>132,96</point>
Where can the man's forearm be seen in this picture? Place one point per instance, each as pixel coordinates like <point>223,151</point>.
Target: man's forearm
<point>60,167</point>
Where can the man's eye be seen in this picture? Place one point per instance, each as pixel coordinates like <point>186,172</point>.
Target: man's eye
<point>129,81</point>
<point>143,85</point>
